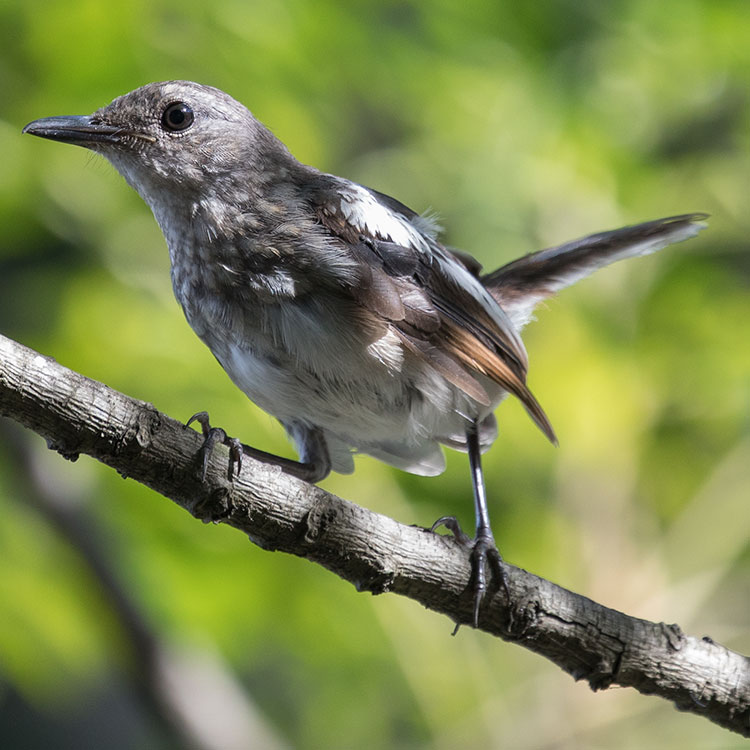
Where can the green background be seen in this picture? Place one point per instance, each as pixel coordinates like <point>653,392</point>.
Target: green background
<point>522,125</point>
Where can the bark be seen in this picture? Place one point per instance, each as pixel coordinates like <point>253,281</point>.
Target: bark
<point>375,553</point>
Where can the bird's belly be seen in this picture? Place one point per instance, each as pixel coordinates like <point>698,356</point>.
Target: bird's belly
<point>307,365</point>
<point>346,398</point>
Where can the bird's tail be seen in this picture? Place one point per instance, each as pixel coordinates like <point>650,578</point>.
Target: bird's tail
<point>520,285</point>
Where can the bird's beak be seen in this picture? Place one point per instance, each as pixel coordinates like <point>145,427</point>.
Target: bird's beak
<point>81,130</point>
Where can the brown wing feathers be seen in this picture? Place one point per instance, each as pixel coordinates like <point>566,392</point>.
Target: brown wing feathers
<point>475,355</point>
<point>435,318</point>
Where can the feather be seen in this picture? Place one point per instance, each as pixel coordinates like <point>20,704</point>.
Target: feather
<point>432,297</point>
<point>447,367</point>
<point>519,286</point>
<point>474,354</point>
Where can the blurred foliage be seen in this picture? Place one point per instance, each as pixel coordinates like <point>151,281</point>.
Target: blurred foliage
<point>522,125</point>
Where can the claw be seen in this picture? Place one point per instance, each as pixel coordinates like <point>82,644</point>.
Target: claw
<point>483,554</point>
<point>316,466</point>
<point>212,436</point>
<point>451,523</point>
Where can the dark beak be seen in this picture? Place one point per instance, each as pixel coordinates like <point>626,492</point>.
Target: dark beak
<point>82,130</point>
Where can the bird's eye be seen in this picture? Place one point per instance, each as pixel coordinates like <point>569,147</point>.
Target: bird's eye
<point>177,116</point>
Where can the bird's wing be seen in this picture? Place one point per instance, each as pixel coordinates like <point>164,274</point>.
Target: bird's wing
<point>431,298</point>
<point>519,286</point>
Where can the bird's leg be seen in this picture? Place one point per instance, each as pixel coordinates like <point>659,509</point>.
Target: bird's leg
<point>314,467</point>
<point>484,552</point>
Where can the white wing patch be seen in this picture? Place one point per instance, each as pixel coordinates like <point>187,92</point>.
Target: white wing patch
<point>388,351</point>
<point>363,211</point>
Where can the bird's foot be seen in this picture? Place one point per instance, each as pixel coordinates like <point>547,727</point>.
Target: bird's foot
<point>485,557</point>
<point>317,467</point>
<point>212,436</point>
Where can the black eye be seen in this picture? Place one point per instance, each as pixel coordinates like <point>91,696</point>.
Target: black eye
<point>177,116</point>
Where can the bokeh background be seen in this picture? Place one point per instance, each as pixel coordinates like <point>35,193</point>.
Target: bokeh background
<point>522,125</point>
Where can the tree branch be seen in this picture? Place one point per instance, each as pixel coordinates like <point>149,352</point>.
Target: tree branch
<point>375,553</point>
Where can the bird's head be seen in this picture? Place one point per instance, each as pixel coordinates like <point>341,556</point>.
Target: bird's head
<point>174,135</point>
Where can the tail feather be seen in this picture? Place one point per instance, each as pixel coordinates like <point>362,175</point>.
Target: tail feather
<point>519,286</point>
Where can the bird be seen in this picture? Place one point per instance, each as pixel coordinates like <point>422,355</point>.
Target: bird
<point>333,306</point>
